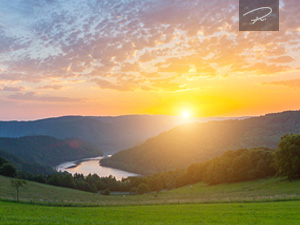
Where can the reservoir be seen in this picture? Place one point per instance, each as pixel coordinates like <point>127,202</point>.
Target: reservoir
<point>92,165</point>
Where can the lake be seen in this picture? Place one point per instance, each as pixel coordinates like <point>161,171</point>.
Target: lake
<point>91,165</point>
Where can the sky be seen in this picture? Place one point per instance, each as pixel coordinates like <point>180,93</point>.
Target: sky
<point>117,57</point>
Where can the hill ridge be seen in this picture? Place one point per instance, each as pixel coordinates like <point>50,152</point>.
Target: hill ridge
<point>198,142</point>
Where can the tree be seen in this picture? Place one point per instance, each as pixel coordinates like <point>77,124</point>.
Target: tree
<point>2,161</point>
<point>93,188</point>
<point>18,184</point>
<point>67,181</point>
<point>39,178</point>
<point>287,156</point>
<point>100,185</point>
<point>8,170</point>
<point>53,180</point>
<point>142,188</point>
<point>83,185</point>
<point>243,167</point>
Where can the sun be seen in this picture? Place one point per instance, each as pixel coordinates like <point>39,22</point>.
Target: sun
<point>186,114</point>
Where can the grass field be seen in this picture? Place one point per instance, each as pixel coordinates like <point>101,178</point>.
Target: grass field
<point>262,190</point>
<point>226,213</point>
<point>270,201</point>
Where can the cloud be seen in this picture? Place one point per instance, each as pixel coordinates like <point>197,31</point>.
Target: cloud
<point>130,67</point>
<point>295,83</point>
<point>11,89</point>
<point>19,76</point>
<point>262,68</point>
<point>33,97</point>
<point>134,84</point>
<point>166,85</point>
<point>51,87</point>
<point>104,84</point>
<point>282,59</point>
<point>100,40</point>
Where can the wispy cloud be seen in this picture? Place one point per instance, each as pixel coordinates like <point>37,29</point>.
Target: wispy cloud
<point>294,83</point>
<point>51,87</point>
<point>33,96</point>
<point>11,89</point>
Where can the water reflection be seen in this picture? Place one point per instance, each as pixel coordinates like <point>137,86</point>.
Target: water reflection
<point>91,165</point>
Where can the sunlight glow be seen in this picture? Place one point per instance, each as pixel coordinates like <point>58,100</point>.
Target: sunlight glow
<point>186,114</point>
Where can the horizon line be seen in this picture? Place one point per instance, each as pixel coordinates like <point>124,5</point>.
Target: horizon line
<point>123,115</point>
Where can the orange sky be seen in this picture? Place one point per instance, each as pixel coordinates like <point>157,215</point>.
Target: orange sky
<point>160,57</point>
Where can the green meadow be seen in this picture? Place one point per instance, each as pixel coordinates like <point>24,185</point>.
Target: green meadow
<point>268,201</point>
<point>222,213</point>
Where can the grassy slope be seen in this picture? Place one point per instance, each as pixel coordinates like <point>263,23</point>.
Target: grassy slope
<point>277,212</point>
<point>262,190</point>
<point>231,213</point>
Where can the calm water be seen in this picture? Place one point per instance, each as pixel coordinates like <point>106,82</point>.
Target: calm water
<point>92,166</point>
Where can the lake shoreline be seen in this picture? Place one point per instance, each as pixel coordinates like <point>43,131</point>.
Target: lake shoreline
<point>87,166</point>
<point>78,162</point>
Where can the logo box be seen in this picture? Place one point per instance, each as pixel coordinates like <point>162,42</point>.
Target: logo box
<point>259,15</point>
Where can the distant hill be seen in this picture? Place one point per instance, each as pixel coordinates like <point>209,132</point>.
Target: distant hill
<point>25,165</point>
<point>44,150</point>
<point>198,142</point>
<point>111,134</point>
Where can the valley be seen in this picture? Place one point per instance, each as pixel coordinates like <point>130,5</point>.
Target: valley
<point>184,170</point>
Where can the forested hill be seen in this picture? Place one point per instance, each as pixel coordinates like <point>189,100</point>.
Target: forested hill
<point>46,150</point>
<point>196,142</point>
<point>111,134</point>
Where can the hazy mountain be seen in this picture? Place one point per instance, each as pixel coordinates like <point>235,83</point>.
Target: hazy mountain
<point>46,150</point>
<point>111,134</point>
<point>196,142</point>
